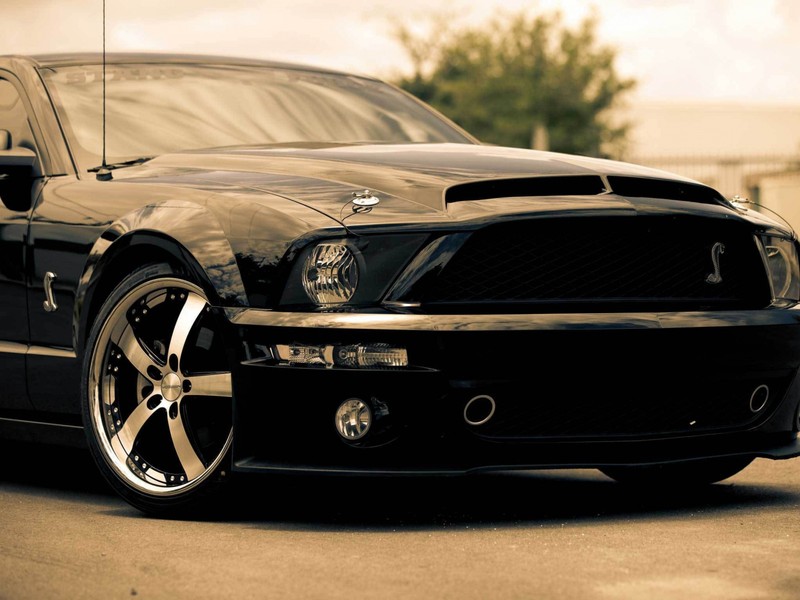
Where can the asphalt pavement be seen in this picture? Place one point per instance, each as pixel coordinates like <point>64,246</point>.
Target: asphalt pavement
<point>558,534</point>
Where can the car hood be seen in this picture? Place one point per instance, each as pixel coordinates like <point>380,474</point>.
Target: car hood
<point>411,180</point>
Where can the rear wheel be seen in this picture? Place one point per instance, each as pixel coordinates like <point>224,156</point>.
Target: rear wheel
<point>690,473</point>
<point>157,396</point>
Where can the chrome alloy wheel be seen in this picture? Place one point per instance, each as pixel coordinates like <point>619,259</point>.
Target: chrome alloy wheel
<point>159,389</point>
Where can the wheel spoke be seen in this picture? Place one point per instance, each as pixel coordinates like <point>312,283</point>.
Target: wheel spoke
<point>135,353</point>
<point>191,463</point>
<point>189,313</point>
<point>127,434</point>
<point>211,384</point>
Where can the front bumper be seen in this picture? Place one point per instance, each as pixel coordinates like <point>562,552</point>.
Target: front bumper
<point>571,390</point>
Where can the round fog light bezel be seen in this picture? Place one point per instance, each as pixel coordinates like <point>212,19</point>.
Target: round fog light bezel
<point>485,416</point>
<point>759,398</point>
<point>353,419</point>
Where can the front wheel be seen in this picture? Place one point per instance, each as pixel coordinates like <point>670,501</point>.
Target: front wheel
<point>156,394</point>
<point>689,473</point>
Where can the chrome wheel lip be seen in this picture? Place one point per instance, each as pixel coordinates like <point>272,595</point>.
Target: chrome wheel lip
<point>99,387</point>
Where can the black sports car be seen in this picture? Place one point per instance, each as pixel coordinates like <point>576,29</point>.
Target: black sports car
<point>282,268</point>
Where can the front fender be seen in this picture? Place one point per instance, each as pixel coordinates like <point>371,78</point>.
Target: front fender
<point>184,232</point>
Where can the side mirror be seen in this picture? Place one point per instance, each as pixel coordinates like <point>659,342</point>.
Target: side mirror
<point>18,168</point>
<point>17,160</point>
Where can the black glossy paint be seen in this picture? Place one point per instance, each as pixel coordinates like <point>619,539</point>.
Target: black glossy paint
<point>239,220</point>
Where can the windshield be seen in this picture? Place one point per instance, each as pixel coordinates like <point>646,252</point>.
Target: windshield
<point>156,109</point>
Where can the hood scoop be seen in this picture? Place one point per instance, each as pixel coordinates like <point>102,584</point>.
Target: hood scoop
<point>640,187</point>
<point>583,185</point>
<point>561,185</point>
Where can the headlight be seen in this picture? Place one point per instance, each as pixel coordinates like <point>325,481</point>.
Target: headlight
<point>330,274</point>
<point>784,270</point>
<point>353,271</point>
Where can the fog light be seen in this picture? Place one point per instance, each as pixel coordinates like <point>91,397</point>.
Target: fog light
<point>353,419</point>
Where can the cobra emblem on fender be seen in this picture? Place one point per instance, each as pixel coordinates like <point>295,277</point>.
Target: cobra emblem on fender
<point>716,250</point>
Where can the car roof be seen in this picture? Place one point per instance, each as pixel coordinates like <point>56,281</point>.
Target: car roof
<point>116,58</point>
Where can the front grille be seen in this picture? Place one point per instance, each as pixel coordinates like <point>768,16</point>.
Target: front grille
<point>610,262</point>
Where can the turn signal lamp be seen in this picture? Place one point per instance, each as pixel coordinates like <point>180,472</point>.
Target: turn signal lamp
<point>352,356</point>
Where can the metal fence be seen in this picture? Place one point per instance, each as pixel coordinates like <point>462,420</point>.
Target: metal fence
<point>730,175</point>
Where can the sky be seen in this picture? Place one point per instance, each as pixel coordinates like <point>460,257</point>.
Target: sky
<point>744,51</point>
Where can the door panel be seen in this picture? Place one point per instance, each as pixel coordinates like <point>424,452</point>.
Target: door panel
<point>13,309</point>
<point>16,192</point>
<point>62,233</point>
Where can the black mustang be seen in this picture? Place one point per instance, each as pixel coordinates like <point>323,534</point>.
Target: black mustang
<point>282,268</point>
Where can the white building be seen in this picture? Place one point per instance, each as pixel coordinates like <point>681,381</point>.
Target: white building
<point>749,150</point>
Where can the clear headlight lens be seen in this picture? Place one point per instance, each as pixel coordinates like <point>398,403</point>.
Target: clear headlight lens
<point>330,274</point>
<point>784,270</point>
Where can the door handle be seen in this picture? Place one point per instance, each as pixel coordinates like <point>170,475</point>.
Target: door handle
<point>50,303</point>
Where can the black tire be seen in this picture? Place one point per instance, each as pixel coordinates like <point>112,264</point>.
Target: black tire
<point>682,474</point>
<point>156,396</point>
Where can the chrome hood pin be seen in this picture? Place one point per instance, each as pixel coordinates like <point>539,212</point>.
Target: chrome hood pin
<point>365,198</point>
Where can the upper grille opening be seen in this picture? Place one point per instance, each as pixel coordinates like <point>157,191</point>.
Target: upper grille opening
<point>639,187</point>
<point>563,185</point>
<point>602,265</point>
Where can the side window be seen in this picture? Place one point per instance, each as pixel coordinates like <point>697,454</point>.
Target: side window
<point>14,127</point>
<point>16,178</point>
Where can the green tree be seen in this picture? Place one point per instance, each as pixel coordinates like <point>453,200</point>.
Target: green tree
<point>519,75</point>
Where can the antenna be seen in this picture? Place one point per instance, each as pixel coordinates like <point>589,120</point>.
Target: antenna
<point>104,173</point>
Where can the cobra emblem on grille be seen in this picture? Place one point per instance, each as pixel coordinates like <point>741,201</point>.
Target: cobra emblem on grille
<point>716,250</point>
